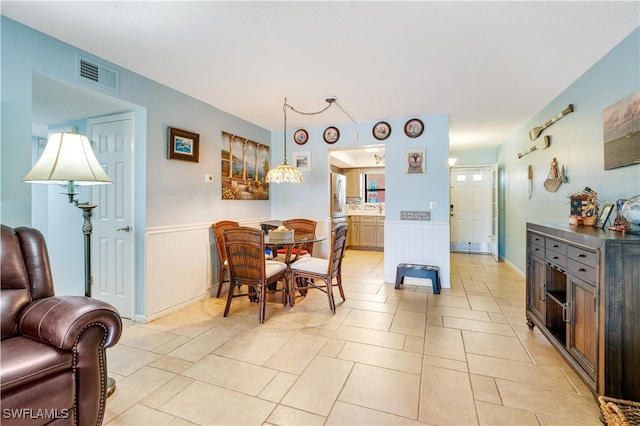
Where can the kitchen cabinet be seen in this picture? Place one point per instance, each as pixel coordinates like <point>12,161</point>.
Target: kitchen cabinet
<point>366,232</point>
<point>353,183</point>
<point>583,294</point>
<point>354,231</point>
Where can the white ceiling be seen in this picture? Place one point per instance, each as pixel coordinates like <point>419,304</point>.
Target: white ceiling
<point>490,65</point>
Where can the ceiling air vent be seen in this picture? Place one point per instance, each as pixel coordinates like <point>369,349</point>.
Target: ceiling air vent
<point>89,70</point>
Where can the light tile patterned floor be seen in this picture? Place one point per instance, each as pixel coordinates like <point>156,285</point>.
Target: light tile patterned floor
<point>387,357</point>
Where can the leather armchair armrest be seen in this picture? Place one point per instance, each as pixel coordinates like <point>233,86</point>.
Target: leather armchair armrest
<point>60,320</point>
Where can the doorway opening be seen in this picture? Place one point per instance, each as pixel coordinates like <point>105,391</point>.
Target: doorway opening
<point>474,210</point>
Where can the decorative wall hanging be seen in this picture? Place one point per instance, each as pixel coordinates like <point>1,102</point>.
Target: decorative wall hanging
<point>245,165</point>
<point>302,160</point>
<point>542,144</point>
<point>183,145</point>
<point>414,128</point>
<point>555,177</point>
<point>416,161</point>
<point>381,130</point>
<point>331,135</point>
<point>301,136</point>
<point>537,131</point>
<point>621,122</point>
<point>530,178</point>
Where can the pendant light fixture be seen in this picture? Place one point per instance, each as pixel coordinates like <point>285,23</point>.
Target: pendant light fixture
<point>285,173</point>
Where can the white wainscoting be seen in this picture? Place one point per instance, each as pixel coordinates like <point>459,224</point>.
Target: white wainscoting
<point>181,268</point>
<point>419,242</point>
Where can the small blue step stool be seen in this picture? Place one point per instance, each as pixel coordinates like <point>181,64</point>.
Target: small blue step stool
<point>418,271</point>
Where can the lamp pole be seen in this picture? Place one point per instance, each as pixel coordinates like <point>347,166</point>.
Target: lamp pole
<point>87,229</point>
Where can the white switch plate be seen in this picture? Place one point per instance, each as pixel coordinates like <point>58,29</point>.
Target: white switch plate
<point>433,205</point>
<point>208,178</point>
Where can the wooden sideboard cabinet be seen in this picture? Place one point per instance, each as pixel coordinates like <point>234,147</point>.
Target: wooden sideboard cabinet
<point>583,292</point>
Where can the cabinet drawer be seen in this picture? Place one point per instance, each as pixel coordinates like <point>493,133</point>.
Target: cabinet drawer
<point>587,273</point>
<point>555,245</point>
<point>555,257</point>
<point>354,218</point>
<point>536,249</point>
<point>536,239</point>
<point>589,258</point>
<point>367,219</point>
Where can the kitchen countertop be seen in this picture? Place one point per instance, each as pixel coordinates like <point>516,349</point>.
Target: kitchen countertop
<point>371,212</point>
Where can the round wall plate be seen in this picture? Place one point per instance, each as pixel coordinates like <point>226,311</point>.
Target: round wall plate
<point>381,130</point>
<point>301,136</point>
<point>414,128</point>
<point>331,134</point>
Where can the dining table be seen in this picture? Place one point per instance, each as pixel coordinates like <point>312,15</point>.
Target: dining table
<point>296,241</point>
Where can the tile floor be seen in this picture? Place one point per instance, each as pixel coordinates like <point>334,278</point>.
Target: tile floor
<point>387,357</point>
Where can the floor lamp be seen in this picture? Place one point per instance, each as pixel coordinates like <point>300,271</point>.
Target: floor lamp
<point>68,160</point>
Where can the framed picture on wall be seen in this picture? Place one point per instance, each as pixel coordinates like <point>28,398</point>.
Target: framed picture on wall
<point>302,160</point>
<point>183,145</point>
<point>416,161</point>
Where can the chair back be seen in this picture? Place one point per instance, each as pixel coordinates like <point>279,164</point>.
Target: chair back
<point>25,274</point>
<point>302,227</point>
<point>245,255</point>
<point>218,228</point>
<point>338,244</point>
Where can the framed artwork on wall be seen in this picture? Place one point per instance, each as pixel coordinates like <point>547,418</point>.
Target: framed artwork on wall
<point>381,130</point>
<point>331,135</point>
<point>414,128</point>
<point>415,161</point>
<point>183,145</point>
<point>301,136</point>
<point>302,160</point>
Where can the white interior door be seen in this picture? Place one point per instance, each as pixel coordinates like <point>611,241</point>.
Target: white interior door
<point>471,214</point>
<point>113,237</point>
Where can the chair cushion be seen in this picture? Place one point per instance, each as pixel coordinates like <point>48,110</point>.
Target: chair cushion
<point>311,264</point>
<point>273,267</point>
<point>293,251</point>
<point>25,361</point>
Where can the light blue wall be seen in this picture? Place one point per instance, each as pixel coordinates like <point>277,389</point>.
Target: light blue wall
<point>480,157</point>
<point>411,192</point>
<point>168,192</point>
<point>576,142</point>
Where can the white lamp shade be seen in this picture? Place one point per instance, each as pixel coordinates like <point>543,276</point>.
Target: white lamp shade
<point>68,157</point>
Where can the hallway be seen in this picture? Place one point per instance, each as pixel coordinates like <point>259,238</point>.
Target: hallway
<point>387,356</point>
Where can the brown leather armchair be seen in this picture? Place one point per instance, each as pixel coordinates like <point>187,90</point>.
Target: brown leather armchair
<point>53,364</point>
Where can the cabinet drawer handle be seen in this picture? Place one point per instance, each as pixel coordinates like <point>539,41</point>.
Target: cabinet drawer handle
<point>555,246</point>
<point>555,257</point>
<point>582,270</point>
<point>541,292</point>
<point>582,255</point>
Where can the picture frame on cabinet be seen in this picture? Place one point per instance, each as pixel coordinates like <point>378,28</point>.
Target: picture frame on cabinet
<point>302,160</point>
<point>604,216</point>
<point>183,145</point>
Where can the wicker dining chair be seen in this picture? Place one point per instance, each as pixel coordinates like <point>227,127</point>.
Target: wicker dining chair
<point>248,266</point>
<point>217,228</point>
<point>321,274</point>
<point>301,227</point>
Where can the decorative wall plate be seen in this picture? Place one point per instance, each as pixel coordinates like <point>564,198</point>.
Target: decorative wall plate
<point>381,130</point>
<point>331,134</point>
<point>414,128</point>
<point>301,136</point>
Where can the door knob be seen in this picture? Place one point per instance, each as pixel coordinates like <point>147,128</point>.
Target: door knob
<point>125,229</point>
